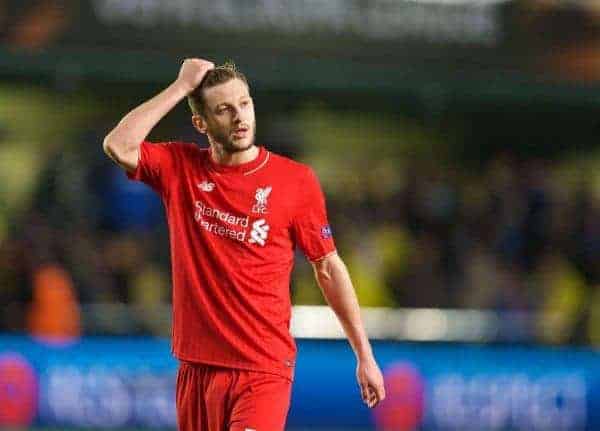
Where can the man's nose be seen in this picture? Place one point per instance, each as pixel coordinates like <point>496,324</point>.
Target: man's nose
<point>238,115</point>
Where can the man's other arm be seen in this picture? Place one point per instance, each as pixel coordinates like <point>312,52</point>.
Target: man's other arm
<point>333,279</point>
<point>123,142</point>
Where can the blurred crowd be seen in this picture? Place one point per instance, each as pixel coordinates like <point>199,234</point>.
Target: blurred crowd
<point>511,235</point>
<point>517,236</point>
<point>520,235</point>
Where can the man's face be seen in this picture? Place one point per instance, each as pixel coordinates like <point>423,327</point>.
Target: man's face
<point>229,115</point>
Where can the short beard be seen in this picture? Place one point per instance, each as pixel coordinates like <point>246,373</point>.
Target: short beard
<point>227,145</point>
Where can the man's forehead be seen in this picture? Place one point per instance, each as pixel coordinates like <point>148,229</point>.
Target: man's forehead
<point>229,91</point>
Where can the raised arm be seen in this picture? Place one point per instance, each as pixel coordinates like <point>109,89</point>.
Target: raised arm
<point>334,281</point>
<point>123,142</point>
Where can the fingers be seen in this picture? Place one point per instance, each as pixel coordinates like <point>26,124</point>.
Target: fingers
<point>192,72</point>
<point>379,393</point>
<point>372,398</point>
<point>199,62</point>
<point>370,381</point>
<point>198,65</point>
<point>372,395</point>
<point>364,392</point>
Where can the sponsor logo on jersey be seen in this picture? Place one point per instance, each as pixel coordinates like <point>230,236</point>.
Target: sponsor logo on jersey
<point>221,223</point>
<point>261,196</point>
<point>230,225</point>
<point>206,186</point>
<point>259,232</point>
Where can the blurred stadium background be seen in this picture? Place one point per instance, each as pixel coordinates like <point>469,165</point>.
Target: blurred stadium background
<point>457,143</point>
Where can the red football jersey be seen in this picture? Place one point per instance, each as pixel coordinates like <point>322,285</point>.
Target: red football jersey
<point>232,232</point>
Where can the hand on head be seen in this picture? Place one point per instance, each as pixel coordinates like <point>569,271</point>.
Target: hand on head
<point>193,71</point>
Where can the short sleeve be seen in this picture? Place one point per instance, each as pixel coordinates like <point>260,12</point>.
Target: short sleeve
<point>310,225</point>
<point>155,165</point>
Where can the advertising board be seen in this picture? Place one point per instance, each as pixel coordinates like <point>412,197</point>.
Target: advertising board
<point>130,382</point>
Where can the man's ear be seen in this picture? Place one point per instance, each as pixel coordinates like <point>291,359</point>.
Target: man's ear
<point>199,123</point>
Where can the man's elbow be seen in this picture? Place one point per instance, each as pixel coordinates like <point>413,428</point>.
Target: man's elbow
<point>323,273</point>
<point>109,146</point>
<point>325,268</point>
<point>114,148</point>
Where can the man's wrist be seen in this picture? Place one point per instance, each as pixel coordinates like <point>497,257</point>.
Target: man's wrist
<point>182,88</point>
<point>365,354</point>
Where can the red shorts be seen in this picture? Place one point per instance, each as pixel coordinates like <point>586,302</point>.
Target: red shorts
<point>213,398</point>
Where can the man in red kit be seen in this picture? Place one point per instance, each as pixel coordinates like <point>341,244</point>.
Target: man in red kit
<point>235,213</point>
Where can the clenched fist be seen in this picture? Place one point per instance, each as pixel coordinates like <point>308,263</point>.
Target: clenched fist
<point>370,380</point>
<point>192,72</point>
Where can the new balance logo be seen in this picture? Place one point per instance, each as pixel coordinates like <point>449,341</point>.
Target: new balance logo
<point>259,233</point>
<point>206,186</point>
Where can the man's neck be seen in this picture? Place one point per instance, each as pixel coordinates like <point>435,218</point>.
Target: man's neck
<point>222,157</point>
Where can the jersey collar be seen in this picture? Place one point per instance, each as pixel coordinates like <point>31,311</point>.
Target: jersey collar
<point>244,168</point>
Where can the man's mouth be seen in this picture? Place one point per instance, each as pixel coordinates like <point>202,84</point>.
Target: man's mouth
<point>241,132</point>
